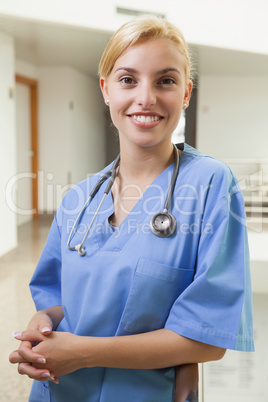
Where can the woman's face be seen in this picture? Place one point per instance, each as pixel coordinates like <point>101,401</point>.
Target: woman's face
<point>146,91</point>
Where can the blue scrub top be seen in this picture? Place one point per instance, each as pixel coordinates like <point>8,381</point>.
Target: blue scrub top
<point>195,282</point>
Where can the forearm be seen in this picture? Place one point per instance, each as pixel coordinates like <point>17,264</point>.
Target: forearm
<point>65,352</point>
<point>152,350</point>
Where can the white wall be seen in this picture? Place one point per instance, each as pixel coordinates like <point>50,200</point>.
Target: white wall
<point>8,233</point>
<point>87,141</point>
<point>205,22</point>
<point>232,116</point>
<point>54,132</point>
<point>71,133</point>
<point>26,69</point>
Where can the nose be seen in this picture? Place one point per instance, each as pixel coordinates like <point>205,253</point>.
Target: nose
<point>146,95</point>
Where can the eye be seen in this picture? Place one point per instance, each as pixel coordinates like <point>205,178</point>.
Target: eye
<point>127,80</point>
<point>167,81</point>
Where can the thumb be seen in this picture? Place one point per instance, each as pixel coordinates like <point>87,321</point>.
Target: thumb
<point>44,324</point>
<point>46,330</point>
<point>45,327</point>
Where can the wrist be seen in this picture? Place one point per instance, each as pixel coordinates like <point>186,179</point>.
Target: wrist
<point>86,350</point>
<point>93,351</point>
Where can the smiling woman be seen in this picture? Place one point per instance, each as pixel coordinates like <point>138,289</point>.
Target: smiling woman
<point>132,317</point>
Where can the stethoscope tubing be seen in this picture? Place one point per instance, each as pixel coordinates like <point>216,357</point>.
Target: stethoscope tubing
<point>173,179</point>
<point>110,173</point>
<point>158,222</point>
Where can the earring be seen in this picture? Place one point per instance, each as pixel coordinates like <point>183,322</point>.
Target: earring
<point>185,105</point>
<point>107,102</point>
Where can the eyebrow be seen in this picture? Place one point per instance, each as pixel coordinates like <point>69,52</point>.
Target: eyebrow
<point>134,71</point>
<point>168,70</point>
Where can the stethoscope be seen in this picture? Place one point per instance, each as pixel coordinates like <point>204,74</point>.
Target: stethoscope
<point>163,224</point>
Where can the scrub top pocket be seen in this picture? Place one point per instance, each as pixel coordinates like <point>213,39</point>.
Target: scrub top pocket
<point>155,287</point>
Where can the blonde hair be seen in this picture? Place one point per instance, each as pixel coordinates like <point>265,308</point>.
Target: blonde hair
<point>142,27</point>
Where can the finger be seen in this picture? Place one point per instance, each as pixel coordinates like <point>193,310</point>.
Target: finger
<point>30,355</point>
<point>44,324</point>
<point>27,344</point>
<point>15,358</point>
<point>29,335</point>
<point>35,373</point>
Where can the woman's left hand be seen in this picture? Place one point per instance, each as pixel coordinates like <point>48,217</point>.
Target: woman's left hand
<point>58,348</point>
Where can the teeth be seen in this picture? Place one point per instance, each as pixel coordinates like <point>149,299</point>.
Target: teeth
<point>145,119</point>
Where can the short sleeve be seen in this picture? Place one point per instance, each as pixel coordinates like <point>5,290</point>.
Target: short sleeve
<point>217,306</point>
<point>45,284</point>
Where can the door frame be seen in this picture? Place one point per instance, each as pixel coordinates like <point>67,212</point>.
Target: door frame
<point>33,86</point>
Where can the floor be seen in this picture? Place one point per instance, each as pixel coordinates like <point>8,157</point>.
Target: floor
<point>16,306</point>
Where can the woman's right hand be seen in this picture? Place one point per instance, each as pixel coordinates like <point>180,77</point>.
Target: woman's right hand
<point>32,367</point>
<point>43,322</point>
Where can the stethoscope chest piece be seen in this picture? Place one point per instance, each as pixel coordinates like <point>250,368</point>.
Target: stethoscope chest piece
<point>163,224</point>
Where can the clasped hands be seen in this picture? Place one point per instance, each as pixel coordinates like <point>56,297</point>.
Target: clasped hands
<point>45,355</point>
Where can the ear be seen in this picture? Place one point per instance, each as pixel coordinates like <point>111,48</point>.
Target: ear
<point>104,88</point>
<point>188,92</point>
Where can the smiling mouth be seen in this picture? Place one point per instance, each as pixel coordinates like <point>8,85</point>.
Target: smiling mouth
<point>145,119</point>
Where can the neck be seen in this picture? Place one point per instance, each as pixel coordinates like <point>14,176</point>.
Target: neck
<point>142,164</point>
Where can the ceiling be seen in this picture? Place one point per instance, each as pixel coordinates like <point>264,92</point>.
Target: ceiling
<point>55,44</point>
